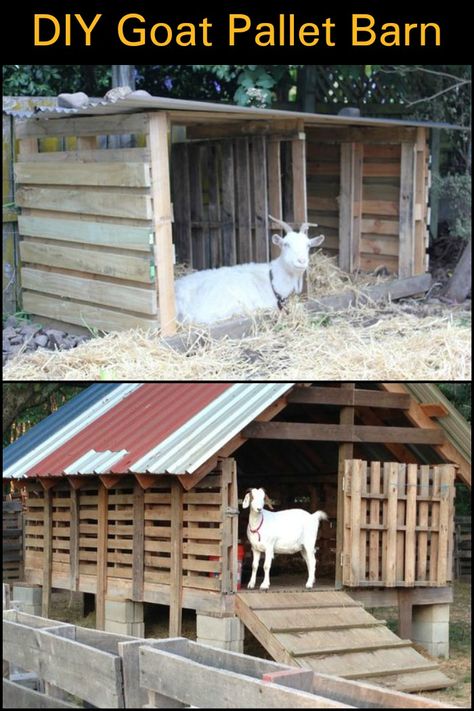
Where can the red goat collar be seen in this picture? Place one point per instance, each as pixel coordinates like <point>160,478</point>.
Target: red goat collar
<point>256,530</point>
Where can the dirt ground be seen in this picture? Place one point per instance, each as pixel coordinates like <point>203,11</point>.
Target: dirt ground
<point>457,667</point>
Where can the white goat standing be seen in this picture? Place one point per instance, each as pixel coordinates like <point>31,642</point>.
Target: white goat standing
<point>289,531</point>
<point>214,294</point>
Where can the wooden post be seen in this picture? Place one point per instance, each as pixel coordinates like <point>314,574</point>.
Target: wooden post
<point>176,573</point>
<point>406,255</point>
<point>405,612</point>
<point>346,451</point>
<point>421,202</point>
<point>138,541</point>
<point>242,164</point>
<point>199,248</point>
<point>350,206</point>
<point>298,167</point>
<point>434,202</point>
<point>47,552</point>
<point>229,247</point>
<point>102,525</point>
<point>182,203</point>
<point>161,195</point>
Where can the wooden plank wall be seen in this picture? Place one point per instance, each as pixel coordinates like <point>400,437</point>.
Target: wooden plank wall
<point>206,543</point>
<point>401,524</point>
<point>368,199</point>
<point>85,223</point>
<point>220,199</point>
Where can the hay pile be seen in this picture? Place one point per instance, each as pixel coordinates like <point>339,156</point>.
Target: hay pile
<point>360,344</point>
<point>409,340</point>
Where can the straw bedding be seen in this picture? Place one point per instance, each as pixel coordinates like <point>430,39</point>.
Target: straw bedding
<point>422,340</point>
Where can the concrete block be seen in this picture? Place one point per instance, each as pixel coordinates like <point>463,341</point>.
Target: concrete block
<point>132,629</point>
<point>224,629</point>
<point>233,646</point>
<point>430,628</point>
<point>123,610</point>
<point>28,594</point>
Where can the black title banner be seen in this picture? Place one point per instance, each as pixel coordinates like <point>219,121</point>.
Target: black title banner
<point>310,32</point>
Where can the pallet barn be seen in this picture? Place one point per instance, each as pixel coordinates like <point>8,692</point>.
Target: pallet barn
<point>134,495</point>
<point>103,217</point>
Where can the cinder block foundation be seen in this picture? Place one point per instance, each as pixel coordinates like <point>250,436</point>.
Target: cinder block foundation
<point>222,632</point>
<point>430,628</point>
<point>124,617</point>
<point>27,598</point>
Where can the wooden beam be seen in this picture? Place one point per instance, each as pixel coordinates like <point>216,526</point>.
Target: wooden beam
<point>162,217</point>
<point>341,433</point>
<point>399,451</point>
<point>434,409</point>
<point>146,481</point>
<point>176,573</point>
<point>47,551</point>
<point>346,451</point>
<point>110,480</point>
<point>101,577</point>
<point>342,396</point>
<point>445,449</point>
<point>48,482</point>
<point>78,482</point>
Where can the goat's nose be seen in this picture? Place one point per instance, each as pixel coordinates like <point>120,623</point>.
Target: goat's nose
<point>302,261</point>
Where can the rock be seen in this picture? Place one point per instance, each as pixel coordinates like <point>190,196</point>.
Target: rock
<point>118,92</point>
<point>73,101</point>
<point>140,94</point>
<point>16,340</point>
<point>11,322</point>
<point>41,340</point>
<point>29,330</point>
<point>9,332</point>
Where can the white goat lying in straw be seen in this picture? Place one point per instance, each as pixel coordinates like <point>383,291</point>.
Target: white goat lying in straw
<point>287,531</point>
<point>214,294</point>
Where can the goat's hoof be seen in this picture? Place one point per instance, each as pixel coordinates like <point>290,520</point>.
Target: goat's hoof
<point>264,587</point>
<point>250,586</point>
<point>309,586</point>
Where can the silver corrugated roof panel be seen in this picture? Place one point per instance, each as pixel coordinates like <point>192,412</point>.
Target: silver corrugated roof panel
<point>203,435</point>
<point>100,107</point>
<point>93,462</point>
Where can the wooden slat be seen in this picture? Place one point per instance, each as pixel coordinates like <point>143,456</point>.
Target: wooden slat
<point>374,536</point>
<point>102,293</point>
<point>229,247</point>
<point>380,227</point>
<point>259,181</point>
<point>199,246</point>
<point>298,166</point>
<point>401,509</point>
<point>78,313</point>
<point>355,518</point>
<point>132,175</point>
<point>158,125</point>
<point>435,485</point>
<point>407,220</point>
<point>81,126</point>
<point>182,202</point>
<point>446,485</point>
<point>110,203</point>
<point>410,540</point>
<point>213,206</point>
<point>89,154</point>
<point>138,540</point>
<point>242,164</point>
<point>275,201</point>
<point>350,206</point>
<point>391,522</point>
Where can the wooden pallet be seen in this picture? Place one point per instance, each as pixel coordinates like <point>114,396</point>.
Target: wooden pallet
<point>331,633</point>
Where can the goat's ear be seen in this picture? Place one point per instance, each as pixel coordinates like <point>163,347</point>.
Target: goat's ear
<point>277,239</point>
<point>316,241</point>
<point>246,501</point>
<point>268,502</point>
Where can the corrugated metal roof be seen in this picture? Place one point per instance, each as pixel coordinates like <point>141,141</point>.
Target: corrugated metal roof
<point>44,430</point>
<point>137,423</point>
<point>100,107</point>
<point>157,428</point>
<point>203,435</point>
<point>457,429</point>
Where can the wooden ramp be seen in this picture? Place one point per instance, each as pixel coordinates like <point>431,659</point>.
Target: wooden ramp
<point>331,633</point>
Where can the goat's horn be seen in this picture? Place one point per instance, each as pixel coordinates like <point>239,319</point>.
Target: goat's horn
<point>305,227</point>
<point>283,224</point>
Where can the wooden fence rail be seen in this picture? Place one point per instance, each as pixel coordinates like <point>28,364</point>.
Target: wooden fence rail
<point>12,541</point>
<point>74,665</point>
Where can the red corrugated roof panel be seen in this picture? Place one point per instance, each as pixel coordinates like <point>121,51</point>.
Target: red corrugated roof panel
<point>139,422</point>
